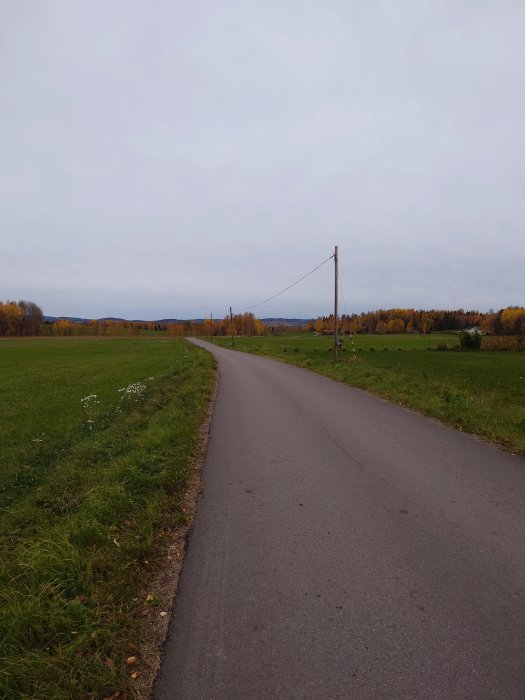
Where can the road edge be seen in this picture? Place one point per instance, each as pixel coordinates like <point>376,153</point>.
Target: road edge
<point>164,585</point>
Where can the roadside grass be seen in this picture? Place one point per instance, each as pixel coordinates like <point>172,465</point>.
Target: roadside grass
<point>478,392</point>
<point>87,507</point>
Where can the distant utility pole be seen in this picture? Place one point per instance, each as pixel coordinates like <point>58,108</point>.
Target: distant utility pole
<point>231,324</point>
<point>211,329</point>
<point>337,342</point>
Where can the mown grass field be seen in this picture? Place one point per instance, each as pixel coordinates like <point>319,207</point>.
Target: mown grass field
<point>479,392</point>
<point>96,438</point>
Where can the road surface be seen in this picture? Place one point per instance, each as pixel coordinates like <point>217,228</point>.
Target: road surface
<point>345,547</point>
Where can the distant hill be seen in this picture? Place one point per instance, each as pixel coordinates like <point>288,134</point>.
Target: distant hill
<point>267,321</point>
<point>284,321</point>
<point>177,320</point>
<point>76,319</point>
<point>52,319</point>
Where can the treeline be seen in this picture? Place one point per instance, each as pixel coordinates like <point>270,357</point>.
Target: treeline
<point>509,321</point>
<point>20,318</point>
<point>65,327</point>
<point>24,318</point>
<point>240,324</point>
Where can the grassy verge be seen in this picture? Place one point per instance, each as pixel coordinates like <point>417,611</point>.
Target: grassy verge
<point>89,490</point>
<point>479,392</point>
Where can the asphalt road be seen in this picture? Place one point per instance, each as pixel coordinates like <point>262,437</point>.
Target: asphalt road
<point>346,548</point>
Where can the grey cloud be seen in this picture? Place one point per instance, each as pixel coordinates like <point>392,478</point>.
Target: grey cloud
<point>171,159</point>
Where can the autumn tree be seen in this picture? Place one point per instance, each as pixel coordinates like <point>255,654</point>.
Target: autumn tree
<point>396,325</point>
<point>63,326</point>
<point>512,320</point>
<point>175,329</point>
<point>319,325</point>
<point>20,318</point>
<point>11,318</point>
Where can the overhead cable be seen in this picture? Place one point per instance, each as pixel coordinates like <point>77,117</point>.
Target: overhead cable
<point>289,287</point>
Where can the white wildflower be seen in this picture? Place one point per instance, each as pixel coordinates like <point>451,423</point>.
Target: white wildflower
<point>89,402</point>
<point>133,392</point>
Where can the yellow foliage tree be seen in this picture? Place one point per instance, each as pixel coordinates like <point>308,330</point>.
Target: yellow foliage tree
<point>62,327</point>
<point>513,320</point>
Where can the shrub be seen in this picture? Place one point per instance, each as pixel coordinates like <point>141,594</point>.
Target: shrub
<point>470,341</point>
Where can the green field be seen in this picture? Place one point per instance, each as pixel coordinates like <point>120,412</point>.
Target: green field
<point>479,392</point>
<point>96,437</point>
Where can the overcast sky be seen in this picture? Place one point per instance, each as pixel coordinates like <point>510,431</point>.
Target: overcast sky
<point>170,159</point>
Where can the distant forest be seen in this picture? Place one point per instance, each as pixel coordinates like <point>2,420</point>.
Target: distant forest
<point>508,321</point>
<point>25,318</point>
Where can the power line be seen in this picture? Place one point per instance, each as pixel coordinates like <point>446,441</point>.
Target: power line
<point>287,288</point>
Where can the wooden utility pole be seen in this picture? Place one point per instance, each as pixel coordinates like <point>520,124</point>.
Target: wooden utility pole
<point>211,329</point>
<point>337,343</point>
<point>231,323</point>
